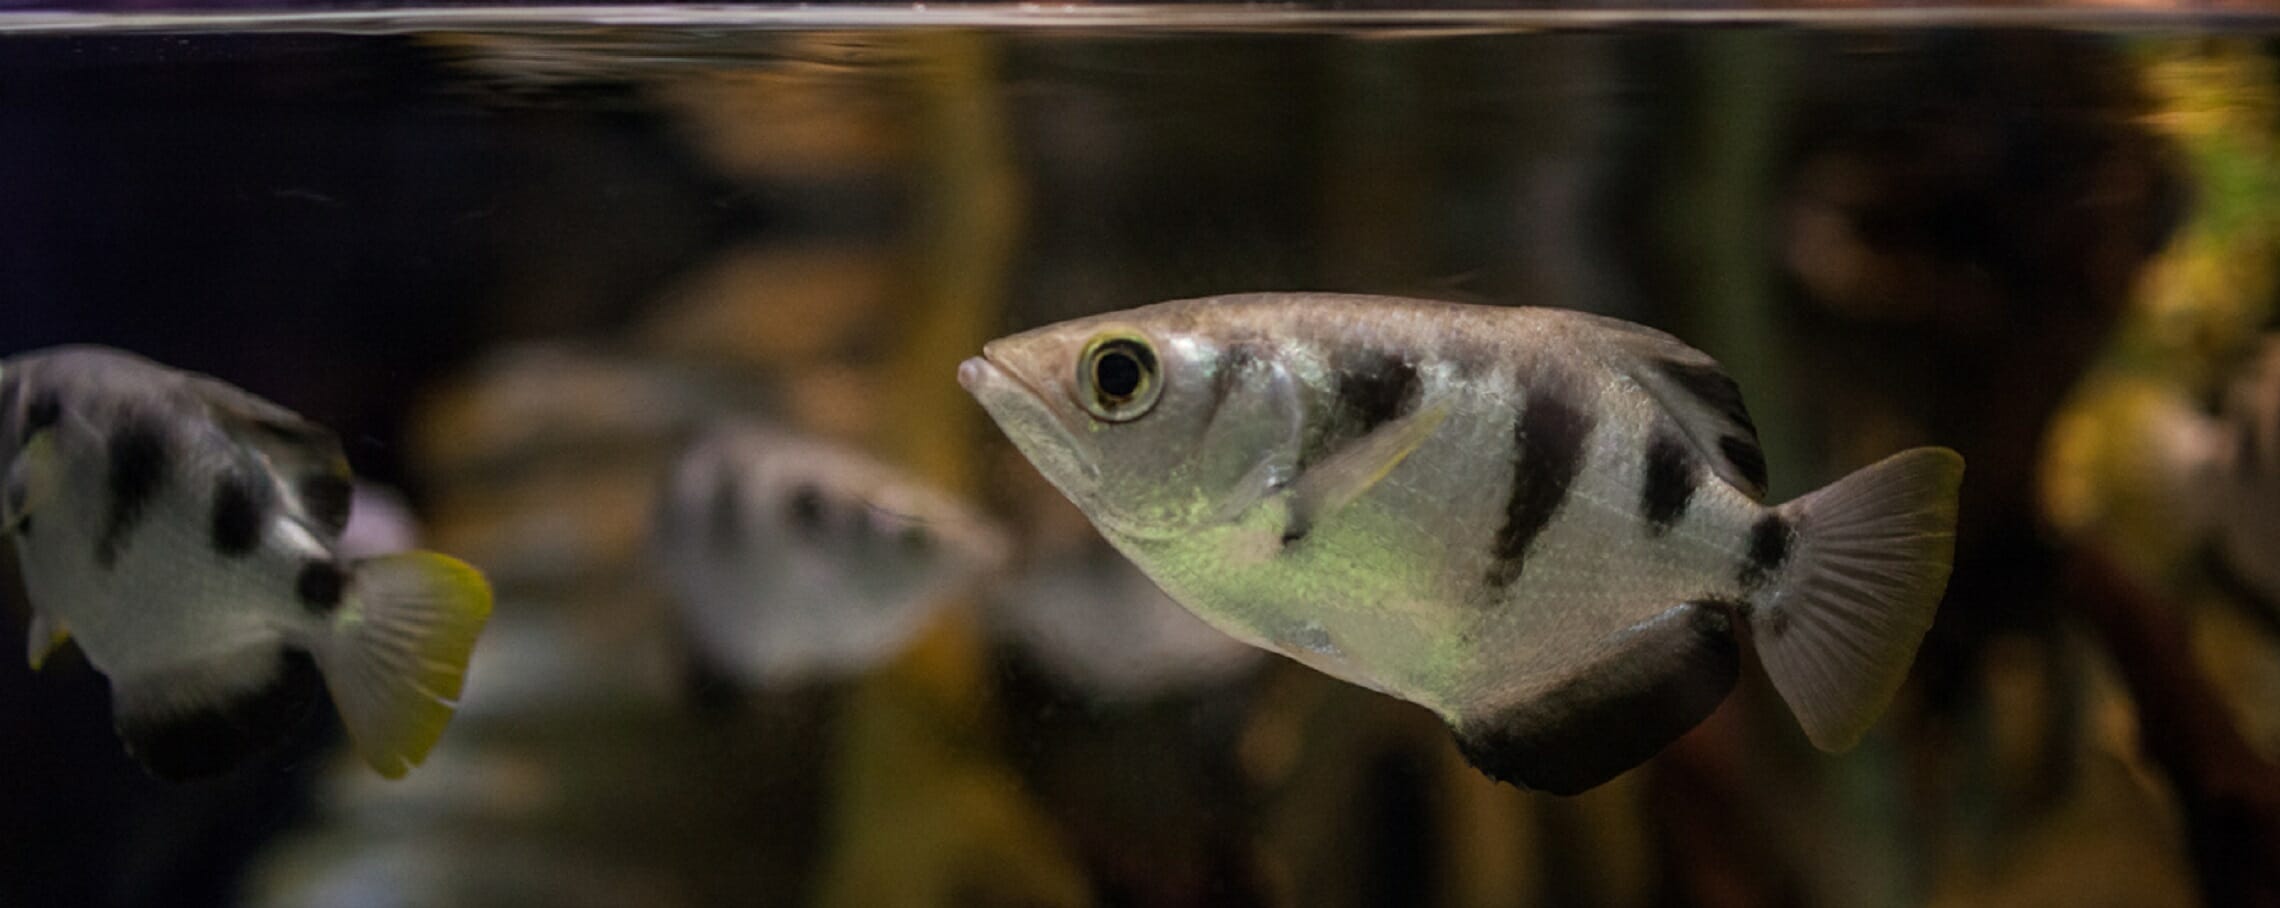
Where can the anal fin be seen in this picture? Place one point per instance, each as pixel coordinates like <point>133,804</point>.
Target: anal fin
<point>1662,678</point>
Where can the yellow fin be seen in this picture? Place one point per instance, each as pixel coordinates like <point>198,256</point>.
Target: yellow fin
<point>47,636</point>
<point>396,655</point>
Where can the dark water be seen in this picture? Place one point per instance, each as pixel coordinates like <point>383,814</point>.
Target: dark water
<point>1892,232</point>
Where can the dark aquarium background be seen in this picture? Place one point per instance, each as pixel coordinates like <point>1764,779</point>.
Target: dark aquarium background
<point>518,261</point>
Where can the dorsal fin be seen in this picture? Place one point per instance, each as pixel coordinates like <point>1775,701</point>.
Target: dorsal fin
<point>1702,400</point>
<point>306,456</point>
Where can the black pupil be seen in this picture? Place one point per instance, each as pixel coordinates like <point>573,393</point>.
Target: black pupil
<point>1117,374</point>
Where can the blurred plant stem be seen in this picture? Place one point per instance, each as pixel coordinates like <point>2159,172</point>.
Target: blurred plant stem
<point>925,811</point>
<point>2230,796</point>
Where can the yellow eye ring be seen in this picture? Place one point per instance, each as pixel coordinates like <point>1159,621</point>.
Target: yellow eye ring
<point>1118,379</point>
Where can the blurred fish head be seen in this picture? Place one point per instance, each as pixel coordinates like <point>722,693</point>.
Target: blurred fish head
<point>1147,424</point>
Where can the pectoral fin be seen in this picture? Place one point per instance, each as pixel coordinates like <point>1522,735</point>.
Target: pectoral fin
<point>1268,422</point>
<point>1354,469</point>
<point>28,483</point>
<point>47,635</point>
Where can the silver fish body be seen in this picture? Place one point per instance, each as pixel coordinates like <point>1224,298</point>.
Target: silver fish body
<point>793,559</point>
<point>186,535</point>
<point>1543,525</point>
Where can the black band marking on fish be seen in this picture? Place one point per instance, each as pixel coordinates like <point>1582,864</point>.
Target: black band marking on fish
<point>46,410</point>
<point>724,513</point>
<point>210,739</point>
<point>139,467</point>
<point>327,499</point>
<point>1664,677</point>
<point>1672,476</point>
<point>1374,388</point>
<point>241,506</point>
<point>320,586</point>
<point>806,509</point>
<point>1770,541</point>
<point>1548,444</point>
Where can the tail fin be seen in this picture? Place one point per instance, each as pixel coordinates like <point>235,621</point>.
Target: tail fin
<point>397,653</point>
<point>1838,629</point>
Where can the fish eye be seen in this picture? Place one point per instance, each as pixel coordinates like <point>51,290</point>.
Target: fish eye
<point>1118,378</point>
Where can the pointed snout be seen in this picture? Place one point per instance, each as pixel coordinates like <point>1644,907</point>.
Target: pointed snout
<point>973,372</point>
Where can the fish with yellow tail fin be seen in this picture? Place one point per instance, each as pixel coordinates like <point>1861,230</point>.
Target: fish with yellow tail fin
<point>186,535</point>
<point>1543,525</point>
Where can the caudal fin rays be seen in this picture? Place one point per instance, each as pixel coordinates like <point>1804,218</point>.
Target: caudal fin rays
<point>396,657</point>
<point>1838,629</point>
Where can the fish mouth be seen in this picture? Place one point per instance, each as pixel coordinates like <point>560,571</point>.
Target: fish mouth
<point>1024,409</point>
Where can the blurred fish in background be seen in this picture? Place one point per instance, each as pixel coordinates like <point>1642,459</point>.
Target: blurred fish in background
<point>792,559</point>
<point>1088,619</point>
<point>2240,471</point>
<point>584,778</point>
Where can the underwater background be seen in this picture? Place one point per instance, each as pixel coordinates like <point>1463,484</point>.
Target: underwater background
<point>518,260</point>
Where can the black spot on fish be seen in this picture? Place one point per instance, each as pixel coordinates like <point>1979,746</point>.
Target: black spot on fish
<point>241,505</point>
<point>211,738</point>
<point>1770,541</point>
<point>1548,444</point>
<point>915,540</point>
<point>1374,389</point>
<point>138,472</point>
<point>1746,457</point>
<point>1662,678</point>
<point>1672,474</point>
<point>46,410</point>
<point>806,509</point>
<point>320,586</point>
<point>327,498</point>
<point>724,513</point>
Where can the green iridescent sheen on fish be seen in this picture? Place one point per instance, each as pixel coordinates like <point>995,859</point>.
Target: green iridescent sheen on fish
<point>1543,525</point>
